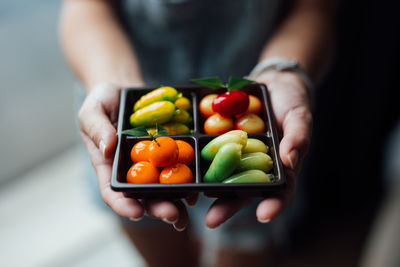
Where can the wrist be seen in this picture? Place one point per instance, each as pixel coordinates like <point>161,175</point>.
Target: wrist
<point>283,77</point>
<point>281,64</point>
<point>289,83</point>
<point>117,84</point>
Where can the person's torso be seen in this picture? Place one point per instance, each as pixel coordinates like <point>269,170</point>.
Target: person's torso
<point>176,40</point>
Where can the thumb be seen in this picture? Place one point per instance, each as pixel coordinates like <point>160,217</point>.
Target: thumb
<point>94,123</point>
<point>296,136</point>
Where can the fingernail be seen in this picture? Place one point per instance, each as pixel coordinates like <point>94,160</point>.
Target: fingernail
<point>213,227</point>
<point>179,229</point>
<point>264,221</point>
<point>168,221</point>
<point>102,147</point>
<point>191,201</point>
<point>292,158</point>
<point>190,205</point>
<point>136,219</point>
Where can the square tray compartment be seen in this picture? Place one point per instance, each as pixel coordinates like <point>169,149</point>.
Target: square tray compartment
<point>198,140</point>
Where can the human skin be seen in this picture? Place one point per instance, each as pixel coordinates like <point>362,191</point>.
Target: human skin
<point>89,28</point>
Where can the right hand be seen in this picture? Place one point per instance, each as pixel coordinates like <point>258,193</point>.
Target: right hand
<point>98,117</point>
<point>290,101</point>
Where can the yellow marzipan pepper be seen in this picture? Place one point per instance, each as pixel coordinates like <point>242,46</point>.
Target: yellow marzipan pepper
<point>165,93</point>
<point>158,112</point>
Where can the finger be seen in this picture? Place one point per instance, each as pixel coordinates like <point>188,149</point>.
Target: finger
<point>121,205</point>
<point>183,220</point>
<point>296,136</point>
<point>162,209</point>
<point>94,118</point>
<point>125,207</point>
<point>270,208</point>
<point>223,209</point>
<point>96,125</point>
<point>191,200</point>
<point>108,95</point>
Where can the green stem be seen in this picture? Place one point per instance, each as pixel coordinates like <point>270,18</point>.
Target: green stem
<point>154,139</point>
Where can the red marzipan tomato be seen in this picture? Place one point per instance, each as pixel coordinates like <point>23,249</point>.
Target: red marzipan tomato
<point>231,103</point>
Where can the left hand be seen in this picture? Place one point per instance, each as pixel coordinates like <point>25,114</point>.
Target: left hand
<point>97,117</point>
<point>290,101</point>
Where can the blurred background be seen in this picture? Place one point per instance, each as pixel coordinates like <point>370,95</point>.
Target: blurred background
<point>47,218</point>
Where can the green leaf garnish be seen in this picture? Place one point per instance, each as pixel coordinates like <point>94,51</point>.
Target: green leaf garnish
<point>161,130</point>
<point>210,82</point>
<point>142,131</point>
<point>138,131</point>
<point>236,83</point>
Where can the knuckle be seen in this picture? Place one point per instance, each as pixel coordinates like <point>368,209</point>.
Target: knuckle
<point>92,133</point>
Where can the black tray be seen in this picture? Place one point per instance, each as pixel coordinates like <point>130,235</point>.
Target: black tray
<point>198,139</point>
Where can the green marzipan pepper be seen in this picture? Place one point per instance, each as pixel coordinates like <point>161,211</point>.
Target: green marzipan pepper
<point>224,163</point>
<point>255,145</point>
<point>234,136</point>
<point>250,176</point>
<point>255,161</point>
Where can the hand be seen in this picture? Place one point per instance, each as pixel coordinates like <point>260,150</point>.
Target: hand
<point>291,106</point>
<point>97,119</point>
